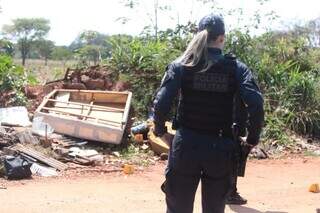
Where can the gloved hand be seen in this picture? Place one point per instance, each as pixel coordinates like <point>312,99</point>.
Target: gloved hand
<point>159,132</point>
<point>245,146</point>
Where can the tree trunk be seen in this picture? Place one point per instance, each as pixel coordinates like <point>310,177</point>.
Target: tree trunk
<point>45,61</point>
<point>24,50</point>
<point>156,7</point>
<point>23,60</point>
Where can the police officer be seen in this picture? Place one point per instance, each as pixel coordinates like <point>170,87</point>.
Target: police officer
<point>205,82</point>
<point>240,122</point>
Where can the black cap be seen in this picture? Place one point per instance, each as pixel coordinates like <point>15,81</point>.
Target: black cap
<point>213,23</point>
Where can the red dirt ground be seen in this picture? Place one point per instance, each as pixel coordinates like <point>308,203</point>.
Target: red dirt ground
<point>271,186</point>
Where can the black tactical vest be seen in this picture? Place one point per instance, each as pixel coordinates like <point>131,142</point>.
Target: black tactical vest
<point>207,97</point>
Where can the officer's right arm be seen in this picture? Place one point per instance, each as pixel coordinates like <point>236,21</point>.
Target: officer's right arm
<point>252,97</point>
<point>162,103</point>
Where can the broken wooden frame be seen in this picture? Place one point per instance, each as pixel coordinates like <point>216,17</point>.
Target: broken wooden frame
<point>88,114</point>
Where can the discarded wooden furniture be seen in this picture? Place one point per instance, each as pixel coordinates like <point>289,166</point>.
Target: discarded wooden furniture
<point>87,114</point>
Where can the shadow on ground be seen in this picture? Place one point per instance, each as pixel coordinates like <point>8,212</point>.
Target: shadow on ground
<point>244,209</point>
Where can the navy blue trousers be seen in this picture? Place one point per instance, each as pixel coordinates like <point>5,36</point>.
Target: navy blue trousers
<point>194,157</point>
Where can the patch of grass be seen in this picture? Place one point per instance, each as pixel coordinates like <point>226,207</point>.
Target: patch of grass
<point>134,154</point>
<point>52,71</point>
<point>275,131</point>
<point>310,153</point>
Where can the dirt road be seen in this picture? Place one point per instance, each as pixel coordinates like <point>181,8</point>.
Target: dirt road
<point>271,186</point>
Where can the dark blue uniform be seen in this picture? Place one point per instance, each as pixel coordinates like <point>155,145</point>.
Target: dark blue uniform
<point>200,151</point>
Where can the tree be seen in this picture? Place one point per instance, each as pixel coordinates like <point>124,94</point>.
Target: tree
<point>313,28</point>
<point>153,16</point>
<point>90,53</point>
<point>91,46</point>
<point>61,53</point>
<point>45,48</point>
<point>26,31</point>
<point>6,47</point>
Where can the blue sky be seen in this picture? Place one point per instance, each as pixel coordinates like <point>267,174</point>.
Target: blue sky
<point>69,17</point>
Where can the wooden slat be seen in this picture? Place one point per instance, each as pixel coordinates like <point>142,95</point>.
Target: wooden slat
<point>89,110</point>
<point>92,91</point>
<point>41,157</point>
<point>45,100</point>
<point>75,114</point>
<point>127,109</point>
<point>112,109</point>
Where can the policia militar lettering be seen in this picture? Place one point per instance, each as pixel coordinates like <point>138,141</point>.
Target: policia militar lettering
<point>206,83</point>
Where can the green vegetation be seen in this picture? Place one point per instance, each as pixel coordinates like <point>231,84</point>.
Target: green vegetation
<point>27,31</point>
<point>45,49</point>
<point>134,154</point>
<point>285,63</point>
<point>287,67</point>
<point>13,78</point>
<point>142,62</point>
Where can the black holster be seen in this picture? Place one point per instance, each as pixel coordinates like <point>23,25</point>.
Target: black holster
<point>241,154</point>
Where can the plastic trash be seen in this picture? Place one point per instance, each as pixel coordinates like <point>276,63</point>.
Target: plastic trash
<point>43,171</point>
<point>91,154</point>
<point>41,128</point>
<point>140,129</point>
<point>14,116</point>
<point>27,137</point>
<point>76,151</point>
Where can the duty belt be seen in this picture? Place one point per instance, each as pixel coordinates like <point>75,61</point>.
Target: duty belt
<point>227,133</point>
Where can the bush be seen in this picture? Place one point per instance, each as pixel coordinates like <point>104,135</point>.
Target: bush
<point>142,63</point>
<point>286,68</point>
<point>13,78</point>
<point>275,130</point>
<point>302,103</point>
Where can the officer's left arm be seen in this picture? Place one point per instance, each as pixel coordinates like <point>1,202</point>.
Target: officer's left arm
<point>253,99</point>
<point>240,115</point>
<point>162,103</point>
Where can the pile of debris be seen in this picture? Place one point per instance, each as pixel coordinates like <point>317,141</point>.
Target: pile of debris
<point>86,114</point>
<point>93,78</point>
<point>71,149</point>
<point>87,78</point>
<point>7,98</point>
<point>7,136</point>
<point>45,152</point>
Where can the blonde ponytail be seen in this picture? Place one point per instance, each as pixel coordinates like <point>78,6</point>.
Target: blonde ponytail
<point>196,51</point>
